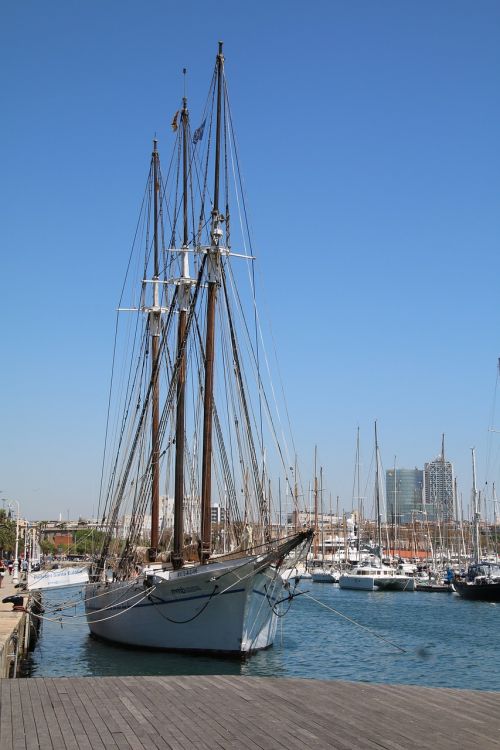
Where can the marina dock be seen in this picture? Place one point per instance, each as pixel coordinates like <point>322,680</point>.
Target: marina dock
<point>14,631</point>
<point>252,713</point>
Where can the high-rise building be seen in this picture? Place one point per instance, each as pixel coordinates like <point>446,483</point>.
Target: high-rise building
<point>403,491</point>
<point>218,513</point>
<point>438,489</point>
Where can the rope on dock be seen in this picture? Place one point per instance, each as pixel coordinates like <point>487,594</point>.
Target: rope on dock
<point>349,619</point>
<point>68,618</point>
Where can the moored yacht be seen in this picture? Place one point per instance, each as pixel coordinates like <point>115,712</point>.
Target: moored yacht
<point>324,575</point>
<point>370,577</point>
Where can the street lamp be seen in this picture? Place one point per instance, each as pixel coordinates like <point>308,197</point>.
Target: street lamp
<point>15,574</point>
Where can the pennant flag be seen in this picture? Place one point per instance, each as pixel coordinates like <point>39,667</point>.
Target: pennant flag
<point>198,133</point>
<point>174,121</point>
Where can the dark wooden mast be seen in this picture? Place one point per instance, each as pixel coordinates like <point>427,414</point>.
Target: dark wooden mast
<point>213,280</point>
<point>155,340</point>
<point>178,544</point>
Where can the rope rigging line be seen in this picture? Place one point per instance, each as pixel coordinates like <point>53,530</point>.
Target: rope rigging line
<point>128,398</point>
<point>263,508</point>
<point>115,339</point>
<point>130,481</point>
<point>218,429</point>
<point>349,619</point>
<point>238,180</point>
<point>146,216</point>
<point>164,417</point>
<point>262,393</point>
<point>117,600</point>
<point>68,619</point>
<point>70,604</point>
<point>124,480</point>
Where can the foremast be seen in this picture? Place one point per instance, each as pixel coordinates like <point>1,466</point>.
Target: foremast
<point>214,270</point>
<point>155,329</point>
<point>183,296</point>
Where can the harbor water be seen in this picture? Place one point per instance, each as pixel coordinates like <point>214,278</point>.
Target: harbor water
<point>446,642</point>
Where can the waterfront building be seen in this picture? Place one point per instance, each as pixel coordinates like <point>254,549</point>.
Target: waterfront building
<point>404,494</point>
<point>218,514</point>
<point>438,489</point>
<point>298,519</point>
<point>166,519</point>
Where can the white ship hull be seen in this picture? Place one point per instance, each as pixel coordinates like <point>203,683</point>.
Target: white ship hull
<point>323,576</point>
<point>363,583</point>
<point>398,583</point>
<point>226,607</point>
<point>297,572</point>
<point>388,581</point>
<point>56,579</point>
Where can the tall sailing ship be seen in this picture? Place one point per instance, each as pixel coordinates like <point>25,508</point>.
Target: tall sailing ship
<point>197,422</point>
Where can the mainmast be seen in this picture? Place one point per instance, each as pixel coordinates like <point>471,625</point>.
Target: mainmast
<point>213,263</point>
<point>154,325</point>
<point>183,297</point>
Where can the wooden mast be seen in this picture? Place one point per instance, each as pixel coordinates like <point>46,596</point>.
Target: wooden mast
<point>213,277</point>
<point>154,323</point>
<point>180,437</point>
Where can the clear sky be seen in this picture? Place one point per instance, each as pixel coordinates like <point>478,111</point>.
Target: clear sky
<point>369,136</point>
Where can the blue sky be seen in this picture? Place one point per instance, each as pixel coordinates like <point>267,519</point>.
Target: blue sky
<point>368,133</point>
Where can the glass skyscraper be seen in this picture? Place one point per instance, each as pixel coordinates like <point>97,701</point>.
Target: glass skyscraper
<point>404,494</point>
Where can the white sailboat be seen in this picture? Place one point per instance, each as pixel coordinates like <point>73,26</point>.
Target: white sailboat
<point>207,430</point>
<point>374,575</point>
<point>323,573</point>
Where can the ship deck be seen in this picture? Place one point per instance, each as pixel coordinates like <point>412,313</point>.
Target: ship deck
<point>252,713</point>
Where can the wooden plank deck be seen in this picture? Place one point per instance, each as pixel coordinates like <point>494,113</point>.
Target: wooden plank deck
<point>251,713</point>
<point>11,623</point>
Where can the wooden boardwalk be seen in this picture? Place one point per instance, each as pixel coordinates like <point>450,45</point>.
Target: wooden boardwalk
<point>12,626</point>
<point>252,713</point>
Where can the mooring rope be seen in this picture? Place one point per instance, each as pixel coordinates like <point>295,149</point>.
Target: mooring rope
<point>67,618</point>
<point>349,619</point>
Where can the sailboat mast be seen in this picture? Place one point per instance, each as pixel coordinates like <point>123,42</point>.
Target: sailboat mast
<point>213,277</point>
<point>476,511</point>
<point>377,496</point>
<point>495,519</point>
<point>395,510</point>
<point>155,341</point>
<point>322,515</point>
<point>358,534</point>
<point>444,500</point>
<point>315,549</point>
<point>180,428</point>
